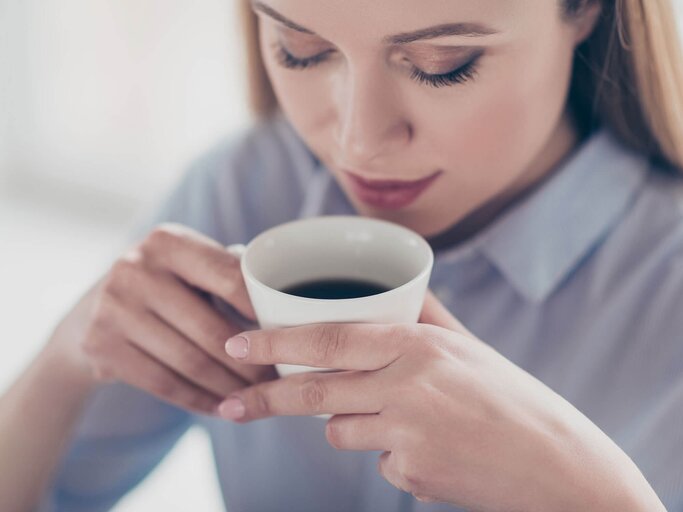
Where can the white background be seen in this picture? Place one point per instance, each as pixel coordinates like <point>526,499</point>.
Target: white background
<point>102,104</point>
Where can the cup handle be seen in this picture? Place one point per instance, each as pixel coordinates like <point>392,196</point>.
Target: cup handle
<point>236,250</point>
<point>223,307</point>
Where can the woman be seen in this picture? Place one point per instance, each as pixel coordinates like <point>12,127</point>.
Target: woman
<point>546,371</point>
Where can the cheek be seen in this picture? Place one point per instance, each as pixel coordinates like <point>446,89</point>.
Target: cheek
<point>303,96</point>
<point>503,121</point>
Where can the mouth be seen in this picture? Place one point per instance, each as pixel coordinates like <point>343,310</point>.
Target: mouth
<point>389,194</point>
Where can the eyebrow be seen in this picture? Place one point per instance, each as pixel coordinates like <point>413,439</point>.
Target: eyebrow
<point>470,29</point>
<point>265,9</point>
<point>447,29</point>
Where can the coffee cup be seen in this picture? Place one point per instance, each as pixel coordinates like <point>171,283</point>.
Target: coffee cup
<point>335,268</point>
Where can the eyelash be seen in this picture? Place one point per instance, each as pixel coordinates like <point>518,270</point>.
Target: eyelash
<point>289,61</point>
<point>457,76</point>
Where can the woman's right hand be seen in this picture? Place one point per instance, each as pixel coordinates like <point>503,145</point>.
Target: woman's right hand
<point>149,322</point>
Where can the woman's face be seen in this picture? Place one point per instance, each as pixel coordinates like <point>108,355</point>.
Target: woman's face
<point>472,91</point>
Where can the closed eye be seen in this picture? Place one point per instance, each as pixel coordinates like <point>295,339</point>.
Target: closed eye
<point>459,75</point>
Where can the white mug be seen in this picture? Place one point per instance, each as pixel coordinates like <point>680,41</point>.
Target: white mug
<point>347,247</point>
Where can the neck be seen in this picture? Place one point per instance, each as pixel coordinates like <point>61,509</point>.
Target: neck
<point>561,144</point>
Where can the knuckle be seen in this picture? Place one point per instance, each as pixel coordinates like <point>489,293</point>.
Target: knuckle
<point>265,347</point>
<point>124,274</point>
<point>199,401</point>
<point>401,335</point>
<point>312,394</point>
<point>165,386</point>
<point>105,319</point>
<point>327,343</point>
<point>460,349</point>
<point>102,323</point>
<point>412,480</point>
<point>101,337</point>
<point>107,374</point>
<point>411,337</point>
<point>99,355</point>
<point>162,238</point>
<point>90,350</point>
<point>262,403</point>
<point>403,332</point>
<point>196,363</point>
<point>217,334</point>
<point>410,473</point>
<point>229,287</point>
<point>431,334</point>
<point>224,268</point>
<point>93,348</point>
<point>102,372</point>
<point>432,348</point>
<point>228,267</point>
<point>437,345</point>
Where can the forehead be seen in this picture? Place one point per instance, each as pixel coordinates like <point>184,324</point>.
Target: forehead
<point>379,18</point>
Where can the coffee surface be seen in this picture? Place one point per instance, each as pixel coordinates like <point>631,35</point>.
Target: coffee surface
<point>335,289</point>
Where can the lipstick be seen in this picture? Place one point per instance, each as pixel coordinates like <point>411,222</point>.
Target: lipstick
<point>389,194</point>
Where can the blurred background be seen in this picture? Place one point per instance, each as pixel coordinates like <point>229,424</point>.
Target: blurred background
<point>102,105</point>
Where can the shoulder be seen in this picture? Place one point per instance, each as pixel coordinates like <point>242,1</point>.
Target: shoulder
<point>661,205</point>
<point>665,184</point>
<point>242,184</point>
<point>267,147</point>
<point>643,258</point>
<point>655,223</point>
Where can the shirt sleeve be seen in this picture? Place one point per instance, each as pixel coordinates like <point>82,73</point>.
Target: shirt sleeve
<point>124,432</point>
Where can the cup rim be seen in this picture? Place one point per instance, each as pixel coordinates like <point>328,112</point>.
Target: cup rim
<point>354,218</point>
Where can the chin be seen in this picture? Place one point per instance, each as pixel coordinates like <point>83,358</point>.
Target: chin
<point>416,218</point>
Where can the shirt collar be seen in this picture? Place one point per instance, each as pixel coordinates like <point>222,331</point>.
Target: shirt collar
<point>538,242</point>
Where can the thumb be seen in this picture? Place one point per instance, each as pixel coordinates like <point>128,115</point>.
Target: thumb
<point>435,313</point>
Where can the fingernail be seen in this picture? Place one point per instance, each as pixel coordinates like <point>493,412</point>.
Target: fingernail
<point>231,409</point>
<point>237,347</point>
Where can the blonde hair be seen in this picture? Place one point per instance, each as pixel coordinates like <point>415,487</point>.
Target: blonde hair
<point>627,75</point>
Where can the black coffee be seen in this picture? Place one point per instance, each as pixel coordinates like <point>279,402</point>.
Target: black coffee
<point>335,289</point>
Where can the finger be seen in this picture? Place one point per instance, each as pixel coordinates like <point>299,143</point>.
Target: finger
<point>357,432</point>
<point>191,315</point>
<point>173,349</point>
<point>133,366</point>
<point>387,467</point>
<point>348,346</point>
<point>202,262</point>
<point>435,313</point>
<point>310,393</point>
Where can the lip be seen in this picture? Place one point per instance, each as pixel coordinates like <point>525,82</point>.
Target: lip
<point>389,194</point>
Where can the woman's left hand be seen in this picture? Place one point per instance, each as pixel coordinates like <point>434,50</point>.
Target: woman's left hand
<point>457,421</point>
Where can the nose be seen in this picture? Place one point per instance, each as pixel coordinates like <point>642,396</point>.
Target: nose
<point>370,122</point>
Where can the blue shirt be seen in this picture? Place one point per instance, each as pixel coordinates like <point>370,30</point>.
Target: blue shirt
<point>580,284</point>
